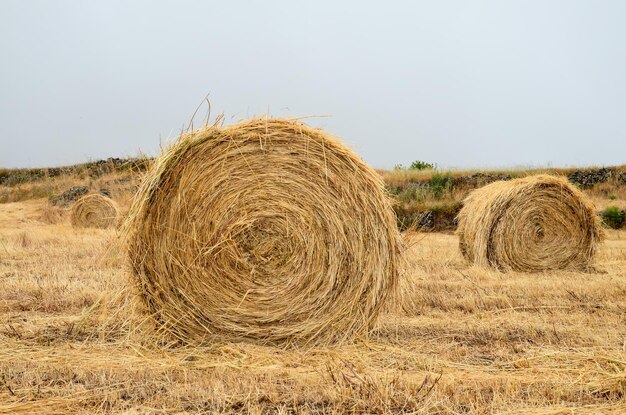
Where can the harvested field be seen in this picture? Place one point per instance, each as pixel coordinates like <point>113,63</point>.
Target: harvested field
<point>181,232</point>
<point>473,340</point>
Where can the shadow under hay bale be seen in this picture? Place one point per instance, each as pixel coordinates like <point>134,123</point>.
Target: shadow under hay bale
<point>531,224</point>
<point>94,211</point>
<point>267,230</point>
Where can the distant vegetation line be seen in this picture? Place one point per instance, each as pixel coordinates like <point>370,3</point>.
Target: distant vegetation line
<point>93,169</point>
<point>424,196</point>
<point>419,172</point>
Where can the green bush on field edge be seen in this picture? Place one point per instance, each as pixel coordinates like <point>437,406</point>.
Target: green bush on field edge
<point>613,217</point>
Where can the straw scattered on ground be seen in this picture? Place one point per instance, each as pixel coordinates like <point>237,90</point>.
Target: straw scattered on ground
<point>477,342</point>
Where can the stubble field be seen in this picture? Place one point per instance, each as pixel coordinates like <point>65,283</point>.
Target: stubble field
<point>471,341</point>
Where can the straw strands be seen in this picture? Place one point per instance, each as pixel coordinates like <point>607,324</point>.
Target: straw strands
<point>268,230</point>
<point>94,211</point>
<point>531,224</point>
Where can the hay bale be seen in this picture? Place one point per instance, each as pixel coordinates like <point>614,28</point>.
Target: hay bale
<point>268,230</point>
<point>531,224</point>
<point>94,211</point>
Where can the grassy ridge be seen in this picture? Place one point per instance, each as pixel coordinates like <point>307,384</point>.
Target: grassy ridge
<point>431,199</point>
<point>428,199</point>
<point>93,169</point>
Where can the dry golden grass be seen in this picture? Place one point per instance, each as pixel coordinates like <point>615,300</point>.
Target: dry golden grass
<point>472,341</point>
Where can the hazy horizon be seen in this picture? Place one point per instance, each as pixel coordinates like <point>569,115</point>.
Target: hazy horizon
<point>482,84</point>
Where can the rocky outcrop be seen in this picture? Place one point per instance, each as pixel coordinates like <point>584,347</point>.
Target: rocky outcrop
<point>480,179</point>
<point>591,177</point>
<point>69,196</point>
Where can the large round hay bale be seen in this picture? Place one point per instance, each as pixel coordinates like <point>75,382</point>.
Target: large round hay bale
<point>94,211</point>
<point>267,230</point>
<point>535,223</point>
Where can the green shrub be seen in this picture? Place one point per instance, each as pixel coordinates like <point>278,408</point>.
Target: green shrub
<point>613,217</point>
<point>441,184</point>
<point>421,165</point>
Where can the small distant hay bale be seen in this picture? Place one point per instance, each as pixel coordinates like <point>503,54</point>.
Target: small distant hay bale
<point>530,224</point>
<point>267,230</point>
<point>94,211</point>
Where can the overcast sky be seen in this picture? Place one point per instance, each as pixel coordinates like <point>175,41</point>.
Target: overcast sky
<point>458,83</point>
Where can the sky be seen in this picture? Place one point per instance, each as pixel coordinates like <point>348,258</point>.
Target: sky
<point>463,84</point>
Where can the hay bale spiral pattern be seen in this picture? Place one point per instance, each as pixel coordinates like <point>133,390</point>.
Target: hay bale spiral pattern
<point>94,211</point>
<point>530,224</point>
<point>268,230</point>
